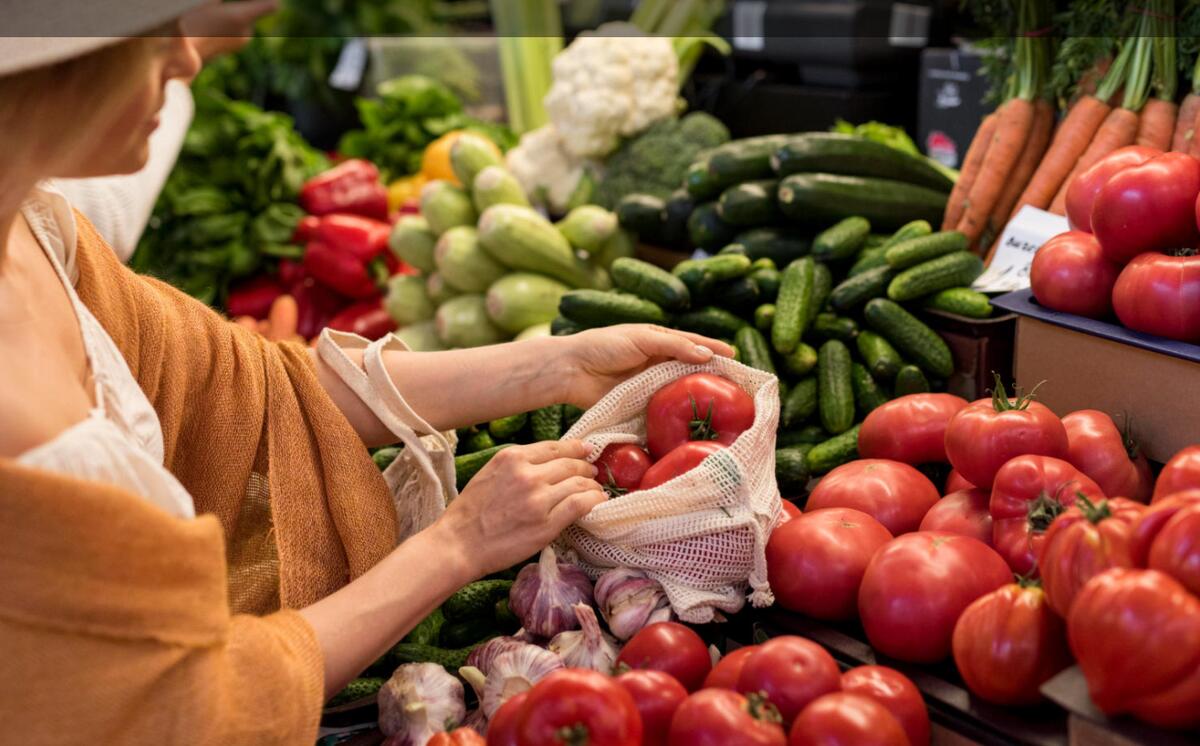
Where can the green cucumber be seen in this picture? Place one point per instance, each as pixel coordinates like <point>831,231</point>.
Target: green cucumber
<point>707,230</point>
<point>571,415</point>
<point>755,351</point>
<point>914,251</point>
<point>733,248</point>
<point>841,241</point>
<point>699,181</point>
<point>726,266</point>
<point>450,659</point>
<point>427,630</point>
<point>807,435</point>
<point>837,153</point>
<point>822,289</point>
<point>749,203</point>
<point>505,428</point>
<point>467,631</point>
<point>481,440</point>
<point>741,296</point>
<point>793,306</point>
<point>676,211</point>
<point>880,357</point>
<point>867,394</point>
<point>764,315</point>
<point>384,457</point>
<point>711,322</point>
<point>835,389</point>
<point>643,214</point>
<point>650,283</point>
<point>838,450</point>
<point>593,308</point>
<point>763,264</point>
<point>800,361</point>
<point>781,245</point>
<point>960,301</point>
<point>767,280</point>
<point>949,271</point>
<point>832,326</point>
<point>910,336</point>
<point>910,380</point>
<point>475,599</point>
<point>695,278</point>
<point>856,290</point>
<point>800,404</point>
<point>561,326</point>
<point>360,688</point>
<point>743,160</point>
<point>791,470</point>
<point>546,423</point>
<point>911,229</point>
<point>506,620</point>
<point>468,465</point>
<point>884,202</point>
<point>868,259</point>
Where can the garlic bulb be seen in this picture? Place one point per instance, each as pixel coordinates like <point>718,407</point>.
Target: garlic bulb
<point>418,702</point>
<point>629,600</point>
<point>587,647</point>
<point>483,656</point>
<point>544,593</point>
<point>514,672</point>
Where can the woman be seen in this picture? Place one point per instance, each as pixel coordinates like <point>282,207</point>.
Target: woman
<point>130,408</point>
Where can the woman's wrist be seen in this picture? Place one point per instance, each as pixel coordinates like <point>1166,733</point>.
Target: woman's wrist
<point>562,366</point>
<point>456,558</point>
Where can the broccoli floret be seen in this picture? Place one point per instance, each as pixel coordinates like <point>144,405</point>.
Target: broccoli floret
<point>656,161</point>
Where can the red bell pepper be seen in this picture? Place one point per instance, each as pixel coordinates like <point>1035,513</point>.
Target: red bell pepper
<point>291,273</point>
<point>352,186</point>
<point>364,238</point>
<point>306,229</point>
<point>366,319</point>
<point>341,271</point>
<point>253,297</point>
<point>315,306</point>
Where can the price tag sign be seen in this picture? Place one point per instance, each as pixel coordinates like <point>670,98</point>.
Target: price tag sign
<point>1022,237</point>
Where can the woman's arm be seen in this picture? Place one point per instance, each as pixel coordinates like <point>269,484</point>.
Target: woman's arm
<point>464,387</point>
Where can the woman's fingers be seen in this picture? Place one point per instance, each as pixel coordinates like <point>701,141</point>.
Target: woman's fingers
<point>550,450</point>
<point>560,469</point>
<point>685,347</point>
<point>574,506</point>
<point>551,495</point>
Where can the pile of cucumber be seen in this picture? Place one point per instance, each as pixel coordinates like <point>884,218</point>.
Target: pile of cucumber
<point>837,323</point>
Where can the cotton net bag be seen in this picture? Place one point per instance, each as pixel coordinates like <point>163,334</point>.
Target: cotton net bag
<point>702,535</point>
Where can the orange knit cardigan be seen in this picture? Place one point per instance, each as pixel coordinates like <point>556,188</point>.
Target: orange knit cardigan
<point>122,624</point>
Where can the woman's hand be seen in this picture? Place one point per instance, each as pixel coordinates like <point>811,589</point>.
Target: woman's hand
<point>518,503</point>
<point>601,358</point>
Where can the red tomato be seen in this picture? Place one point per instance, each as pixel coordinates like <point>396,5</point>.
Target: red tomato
<point>911,428</point>
<point>1181,473</point>
<point>1160,294</point>
<point>790,508</point>
<point>1008,643</point>
<point>1083,542</point>
<point>964,512</point>
<point>895,494</point>
<point>657,696</point>
<point>916,586</point>
<point>719,717</point>
<point>622,466</point>
<point>679,461</point>
<point>816,562</point>
<point>791,672</point>
<point>1167,538</point>
<point>593,707</point>
<point>725,674</point>
<point>502,727</point>
<point>696,407</point>
<point>1083,188</point>
<point>897,693</point>
<point>669,647</point>
<point>844,719</point>
<point>988,432</point>
<point>457,737</point>
<point>1098,448</point>
<point>1150,207</point>
<point>1136,635</point>
<point>1029,493</point>
<point>1071,274</point>
<point>955,482</point>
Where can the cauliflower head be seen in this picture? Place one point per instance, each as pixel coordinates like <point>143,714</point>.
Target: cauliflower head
<point>549,173</point>
<point>609,84</point>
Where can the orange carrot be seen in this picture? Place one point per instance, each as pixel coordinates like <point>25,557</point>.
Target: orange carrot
<point>971,164</point>
<point>1119,129</point>
<point>1071,140</point>
<point>1185,125</point>
<point>1039,139</point>
<point>1194,148</point>
<point>1157,124</point>
<point>1013,123</point>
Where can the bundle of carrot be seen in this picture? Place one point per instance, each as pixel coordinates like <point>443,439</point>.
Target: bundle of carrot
<point>1010,142</point>
<point>1188,124</point>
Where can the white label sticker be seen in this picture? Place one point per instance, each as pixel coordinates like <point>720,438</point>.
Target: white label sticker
<point>347,74</point>
<point>748,26</point>
<point>1022,237</point>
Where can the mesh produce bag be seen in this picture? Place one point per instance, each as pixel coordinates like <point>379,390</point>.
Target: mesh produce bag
<point>702,535</point>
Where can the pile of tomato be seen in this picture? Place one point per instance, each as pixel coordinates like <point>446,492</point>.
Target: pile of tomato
<point>686,421</point>
<point>1102,578</point>
<point>1132,249</point>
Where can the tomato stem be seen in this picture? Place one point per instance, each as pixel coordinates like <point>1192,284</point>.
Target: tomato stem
<point>1030,579</point>
<point>1094,512</point>
<point>760,708</point>
<point>610,484</point>
<point>573,735</point>
<point>1042,511</point>
<point>1001,401</point>
<point>701,427</point>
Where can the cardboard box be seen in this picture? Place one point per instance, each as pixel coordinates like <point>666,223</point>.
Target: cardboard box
<point>1088,364</point>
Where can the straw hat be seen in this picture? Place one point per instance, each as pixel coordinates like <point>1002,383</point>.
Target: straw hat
<point>42,32</point>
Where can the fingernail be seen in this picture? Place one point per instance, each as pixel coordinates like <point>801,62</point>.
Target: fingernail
<point>595,471</point>
<point>703,351</point>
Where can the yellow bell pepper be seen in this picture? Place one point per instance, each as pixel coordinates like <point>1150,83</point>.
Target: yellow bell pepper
<point>403,190</point>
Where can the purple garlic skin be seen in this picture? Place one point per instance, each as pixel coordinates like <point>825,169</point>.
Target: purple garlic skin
<point>545,591</point>
<point>589,646</point>
<point>417,702</point>
<point>628,600</point>
<point>516,671</point>
<point>483,656</point>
